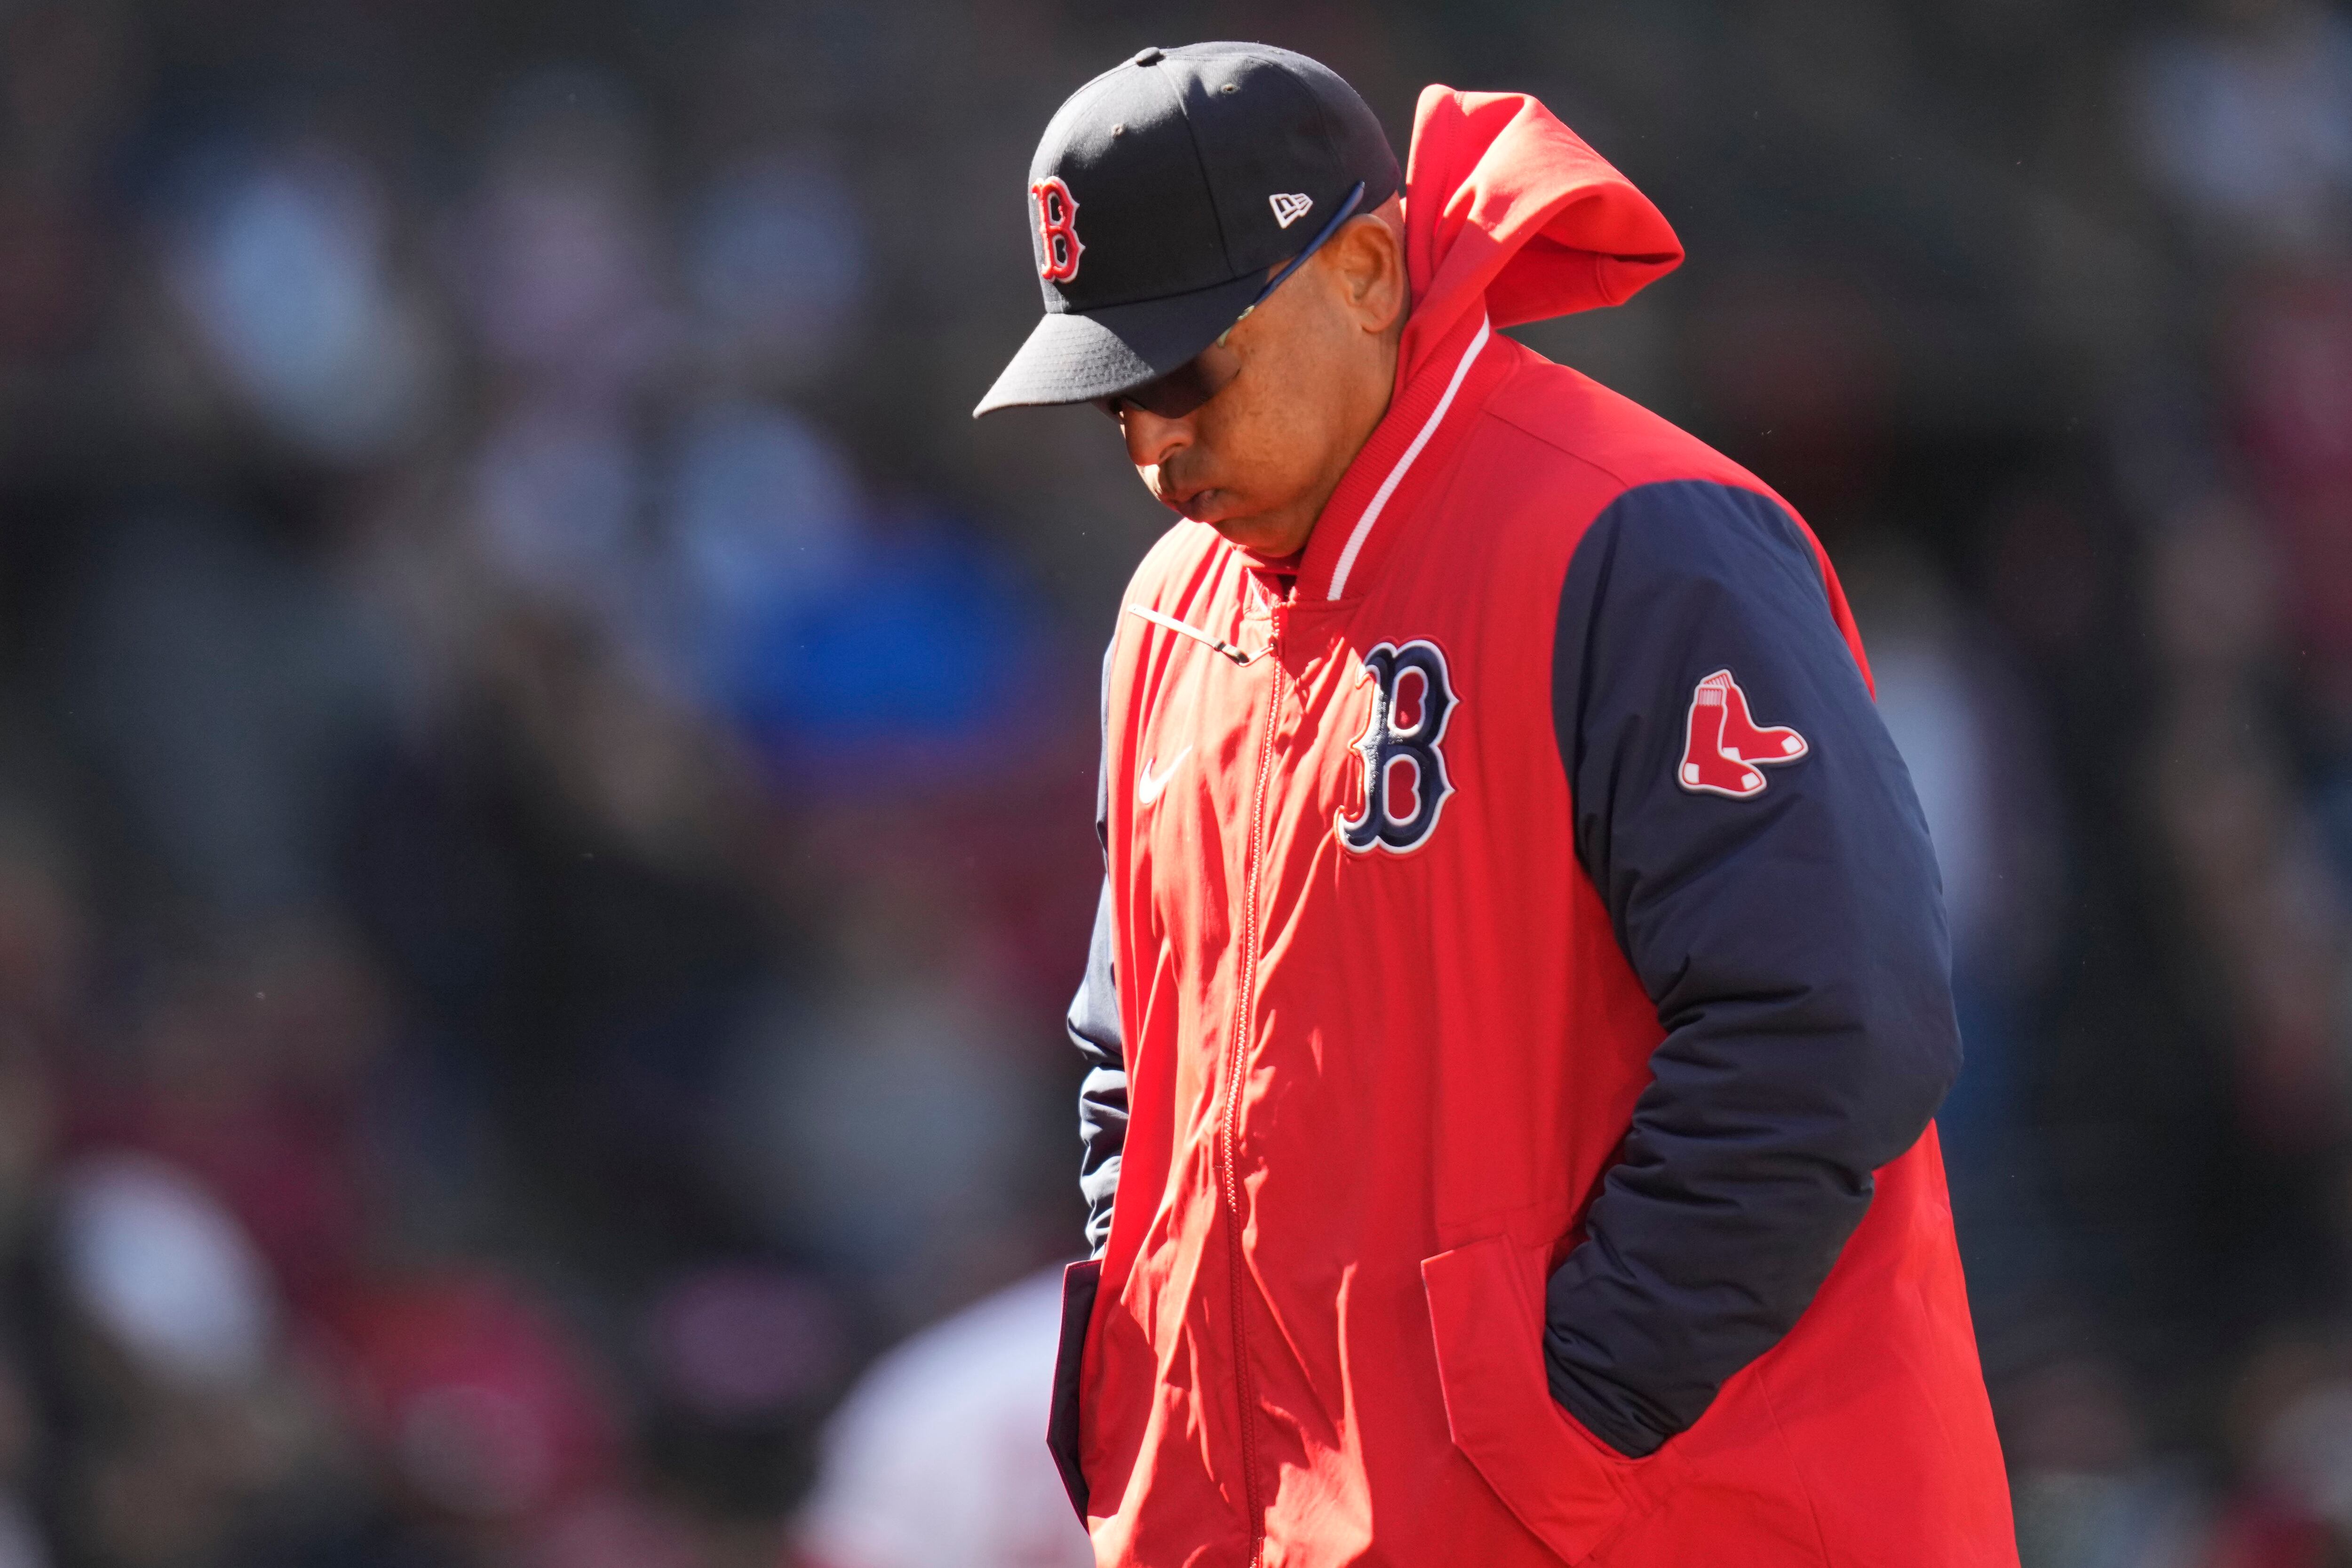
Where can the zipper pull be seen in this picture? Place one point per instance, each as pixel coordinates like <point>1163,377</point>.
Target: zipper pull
<point>1281,590</point>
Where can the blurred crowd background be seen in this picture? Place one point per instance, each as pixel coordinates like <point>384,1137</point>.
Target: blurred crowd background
<point>546,765</point>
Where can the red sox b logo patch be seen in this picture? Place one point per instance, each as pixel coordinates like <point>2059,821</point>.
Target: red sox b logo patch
<point>1057,227</point>
<point>1405,784</point>
<point>1725,750</point>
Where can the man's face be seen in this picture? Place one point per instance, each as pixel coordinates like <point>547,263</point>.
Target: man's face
<point>1310,373</point>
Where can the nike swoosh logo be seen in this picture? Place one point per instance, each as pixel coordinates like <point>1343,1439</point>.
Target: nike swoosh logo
<point>1148,788</point>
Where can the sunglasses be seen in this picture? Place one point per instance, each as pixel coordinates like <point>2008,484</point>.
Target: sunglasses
<point>1181,389</point>
<point>1210,371</point>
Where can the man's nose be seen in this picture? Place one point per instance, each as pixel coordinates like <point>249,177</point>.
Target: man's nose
<point>1152,439</point>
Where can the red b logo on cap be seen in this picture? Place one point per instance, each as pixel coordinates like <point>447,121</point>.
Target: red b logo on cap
<point>1057,221</point>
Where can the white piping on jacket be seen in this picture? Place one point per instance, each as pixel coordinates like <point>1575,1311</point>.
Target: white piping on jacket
<point>1194,633</point>
<point>1396,474</point>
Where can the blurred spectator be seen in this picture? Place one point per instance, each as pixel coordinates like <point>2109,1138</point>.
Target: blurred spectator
<point>2088,1494</point>
<point>2290,381</point>
<point>227,692</point>
<point>2248,123</point>
<point>2248,847</point>
<point>164,1272</point>
<point>280,259</point>
<point>883,1127</point>
<point>937,1460</point>
<point>486,1422</point>
<point>561,264</point>
<point>777,267</point>
<point>745,1357</point>
<point>1984,780</point>
<point>191,1433</point>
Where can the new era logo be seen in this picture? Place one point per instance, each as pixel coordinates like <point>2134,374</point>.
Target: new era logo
<point>1289,206</point>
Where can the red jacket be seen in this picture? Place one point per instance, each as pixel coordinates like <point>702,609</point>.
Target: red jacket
<point>1520,992</point>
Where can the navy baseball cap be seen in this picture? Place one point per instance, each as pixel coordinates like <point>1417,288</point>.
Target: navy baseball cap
<point>1162,195</point>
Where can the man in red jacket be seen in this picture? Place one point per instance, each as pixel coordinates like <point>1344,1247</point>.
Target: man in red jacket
<point>1520,989</point>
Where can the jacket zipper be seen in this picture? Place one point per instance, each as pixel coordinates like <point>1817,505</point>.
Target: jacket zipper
<point>1229,1126</point>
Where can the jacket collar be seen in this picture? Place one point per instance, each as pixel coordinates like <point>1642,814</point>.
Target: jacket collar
<point>1408,450</point>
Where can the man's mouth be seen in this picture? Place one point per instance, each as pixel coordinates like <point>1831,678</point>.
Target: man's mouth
<point>1188,502</point>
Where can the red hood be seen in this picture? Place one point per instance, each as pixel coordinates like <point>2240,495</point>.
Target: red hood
<point>1504,204</point>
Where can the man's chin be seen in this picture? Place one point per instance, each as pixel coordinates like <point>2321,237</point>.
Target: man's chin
<point>1220,511</point>
<point>1251,535</point>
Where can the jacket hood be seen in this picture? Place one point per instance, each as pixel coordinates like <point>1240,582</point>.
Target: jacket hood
<point>1506,205</point>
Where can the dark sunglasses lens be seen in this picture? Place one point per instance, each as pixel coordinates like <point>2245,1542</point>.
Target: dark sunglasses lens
<point>1181,389</point>
<point>1178,392</point>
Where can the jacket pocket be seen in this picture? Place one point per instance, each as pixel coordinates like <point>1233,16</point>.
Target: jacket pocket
<point>1574,1491</point>
<point>1080,1281</point>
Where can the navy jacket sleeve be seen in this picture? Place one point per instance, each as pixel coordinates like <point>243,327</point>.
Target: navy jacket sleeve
<point>1095,1030</point>
<point>1783,911</point>
<point>1102,1094</point>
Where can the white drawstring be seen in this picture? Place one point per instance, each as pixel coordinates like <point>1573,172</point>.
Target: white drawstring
<point>1396,474</point>
<point>1194,633</point>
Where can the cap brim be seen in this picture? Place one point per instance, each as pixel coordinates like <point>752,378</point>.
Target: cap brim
<point>1071,358</point>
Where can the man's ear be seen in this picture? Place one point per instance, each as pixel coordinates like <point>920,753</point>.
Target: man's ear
<point>1369,257</point>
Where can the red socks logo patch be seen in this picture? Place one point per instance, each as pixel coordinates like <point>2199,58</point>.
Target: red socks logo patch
<point>1725,751</point>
